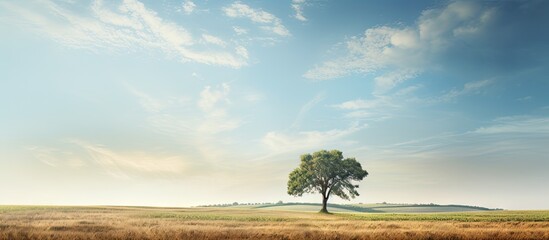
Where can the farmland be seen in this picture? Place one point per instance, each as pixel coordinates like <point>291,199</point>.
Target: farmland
<point>109,222</point>
<point>358,208</point>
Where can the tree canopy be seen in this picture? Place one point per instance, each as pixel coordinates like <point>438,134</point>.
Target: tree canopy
<point>327,173</point>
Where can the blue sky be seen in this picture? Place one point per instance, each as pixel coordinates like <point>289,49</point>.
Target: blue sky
<point>182,103</point>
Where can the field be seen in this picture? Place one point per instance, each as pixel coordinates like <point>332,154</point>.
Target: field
<point>371,208</point>
<point>43,222</point>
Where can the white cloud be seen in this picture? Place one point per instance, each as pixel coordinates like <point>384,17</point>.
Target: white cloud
<point>382,107</point>
<point>365,55</point>
<point>149,103</point>
<point>196,124</point>
<point>109,17</point>
<point>408,90</point>
<point>328,70</point>
<point>56,157</point>
<point>79,153</point>
<point>214,40</point>
<point>524,99</point>
<point>297,6</point>
<point>188,6</point>
<point>130,27</point>
<point>240,30</point>
<point>212,102</point>
<point>502,139</point>
<point>306,108</point>
<point>379,101</point>
<point>376,109</point>
<point>391,79</point>
<point>254,97</point>
<point>270,22</point>
<point>242,51</point>
<point>209,97</point>
<point>459,18</point>
<point>238,9</point>
<point>517,125</point>
<point>121,164</point>
<point>474,87</point>
<point>211,118</point>
<point>283,142</point>
<point>402,53</point>
<point>486,158</point>
<point>357,104</point>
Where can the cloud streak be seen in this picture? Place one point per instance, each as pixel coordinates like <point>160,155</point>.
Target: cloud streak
<point>269,22</point>
<point>398,54</point>
<point>123,164</point>
<point>306,140</point>
<point>306,108</point>
<point>129,27</point>
<point>473,87</point>
<point>297,6</point>
<point>197,124</point>
<point>517,125</point>
<point>490,157</point>
<point>55,157</point>
<point>211,103</point>
<point>188,7</point>
<point>77,153</point>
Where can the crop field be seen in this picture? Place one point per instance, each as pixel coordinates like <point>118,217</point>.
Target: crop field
<point>358,208</point>
<point>43,222</point>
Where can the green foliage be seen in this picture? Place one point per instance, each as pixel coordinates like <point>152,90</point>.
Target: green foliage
<point>326,172</point>
<point>219,216</point>
<point>481,216</point>
<point>256,215</point>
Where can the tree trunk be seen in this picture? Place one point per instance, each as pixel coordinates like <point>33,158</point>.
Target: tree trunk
<point>324,205</point>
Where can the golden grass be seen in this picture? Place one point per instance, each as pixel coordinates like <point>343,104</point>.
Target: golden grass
<point>218,223</point>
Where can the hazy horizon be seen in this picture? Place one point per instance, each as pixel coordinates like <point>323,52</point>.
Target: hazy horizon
<point>185,103</point>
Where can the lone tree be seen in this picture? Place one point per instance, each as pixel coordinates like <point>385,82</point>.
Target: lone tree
<point>326,173</point>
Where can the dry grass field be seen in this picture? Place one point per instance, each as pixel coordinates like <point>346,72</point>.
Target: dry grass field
<point>35,222</point>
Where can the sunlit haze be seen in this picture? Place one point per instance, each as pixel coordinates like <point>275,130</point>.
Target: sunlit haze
<point>185,103</point>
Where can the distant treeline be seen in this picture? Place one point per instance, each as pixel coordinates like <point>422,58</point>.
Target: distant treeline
<point>241,204</point>
<point>439,205</point>
<point>263,204</point>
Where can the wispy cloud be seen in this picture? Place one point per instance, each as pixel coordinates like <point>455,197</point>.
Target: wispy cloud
<point>149,103</point>
<point>129,27</point>
<point>55,157</point>
<point>398,54</point>
<point>209,97</point>
<point>517,125</point>
<point>504,134</point>
<point>197,123</point>
<point>489,157</point>
<point>122,164</point>
<point>240,30</point>
<point>525,99</point>
<point>209,117</point>
<point>297,6</point>
<point>77,153</point>
<point>306,108</point>
<point>380,107</point>
<point>213,40</point>
<point>211,103</point>
<point>188,6</point>
<point>307,140</point>
<point>474,87</point>
<point>242,51</point>
<point>364,104</point>
<point>390,80</point>
<point>269,22</point>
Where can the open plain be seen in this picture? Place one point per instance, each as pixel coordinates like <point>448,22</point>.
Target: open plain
<point>106,222</point>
